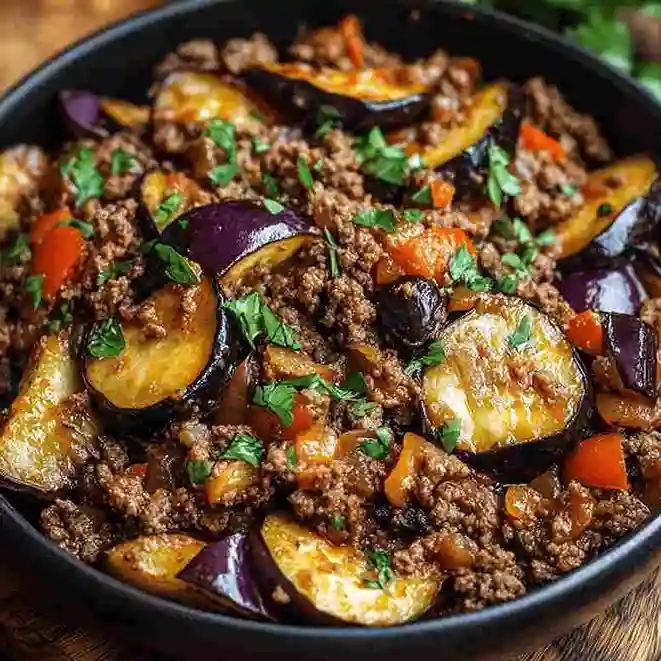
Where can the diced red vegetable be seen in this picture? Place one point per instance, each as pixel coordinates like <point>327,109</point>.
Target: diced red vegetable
<point>534,139</point>
<point>303,417</point>
<point>598,462</point>
<point>45,223</point>
<point>586,332</point>
<point>352,30</point>
<point>386,271</point>
<point>442,193</point>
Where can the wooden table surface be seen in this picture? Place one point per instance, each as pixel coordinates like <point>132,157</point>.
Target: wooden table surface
<point>31,31</point>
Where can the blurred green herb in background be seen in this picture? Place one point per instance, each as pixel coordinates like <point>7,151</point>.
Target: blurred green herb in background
<point>624,32</point>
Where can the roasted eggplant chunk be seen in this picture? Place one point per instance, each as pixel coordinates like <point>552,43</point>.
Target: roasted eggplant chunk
<point>410,311</point>
<point>621,209</point>
<point>233,239</point>
<point>511,393</point>
<point>223,571</point>
<point>37,445</point>
<point>614,289</point>
<point>334,584</point>
<point>361,99</point>
<point>187,97</point>
<point>153,377</point>
<point>632,345</point>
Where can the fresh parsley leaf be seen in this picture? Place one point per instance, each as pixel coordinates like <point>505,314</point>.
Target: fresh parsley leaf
<point>304,174</point>
<point>361,408</point>
<point>113,270</point>
<point>259,146</point>
<point>122,162</point>
<point>332,254</point>
<point>379,561</point>
<point>82,172</point>
<point>177,267</point>
<point>62,318</point>
<point>291,456</point>
<point>221,175</point>
<point>18,251</point>
<point>423,196</point>
<point>106,339</point>
<point>379,447</point>
<point>448,435</point>
<point>463,269</point>
<point>86,229</point>
<point>522,231</point>
<point>277,397</point>
<point>183,223</point>
<point>318,165</point>
<point>273,206</point>
<point>386,162</point>
<point>513,260</point>
<point>355,382</point>
<point>412,215</point>
<point>383,219</point>
<point>315,382</point>
<point>337,521</point>
<point>246,448</point>
<point>270,184</point>
<point>257,319</point>
<point>198,470</point>
<point>34,284</point>
<point>568,190</point>
<point>509,283</point>
<point>504,227</point>
<point>604,210</point>
<point>167,209</point>
<point>528,256</point>
<point>147,246</point>
<point>501,181</point>
<point>433,356</point>
<point>546,238</point>
<point>328,118</point>
<point>520,338</point>
<point>223,135</point>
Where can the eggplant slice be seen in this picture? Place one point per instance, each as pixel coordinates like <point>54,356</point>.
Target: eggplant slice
<point>154,377</point>
<point>188,96</point>
<point>621,209</point>
<point>330,584</point>
<point>511,385</point>
<point>362,99</point>
<point>36,446</point>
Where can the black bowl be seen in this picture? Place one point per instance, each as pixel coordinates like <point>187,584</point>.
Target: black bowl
<point>117,62</point>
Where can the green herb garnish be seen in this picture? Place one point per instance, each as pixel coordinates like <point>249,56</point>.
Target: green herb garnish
<point>509,283</point>
<point>379,561</point>
<point>113,270</point>
<point>223,135</point>
<point>291,456</point>
<point>18,251</point>
<point>273,206</point>
<point>337,521</point>
<point>328,118</point>
<point>568,190</point>
<point>270,184</point>
<point>259,146</point>
<point>379,447</point>
<point>304,174</point>
<point>376,157</point>
<point>521,336</point>
<point>167,210</point>
<point>423,196</point>
<point>221,175</point>
<point>178,268</point>
<point>246,448</point>
<point>604,210</point>
<point>106,339</point>
<point>501,181</point>
<point>433,356</point>
<point>355,382</point>
<point>413,215</point>
<point>198,471</point>
<point>383,219</point>
<point>122,163</point>
<point>448,435</point>
<point>463,269</point>
<point>34,284</point>
<point>82,172</point>
<point>332,254</point>
<point>62,318</point>
<point>86,229</point>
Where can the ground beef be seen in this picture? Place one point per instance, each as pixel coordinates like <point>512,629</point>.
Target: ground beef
<point>240,54</point>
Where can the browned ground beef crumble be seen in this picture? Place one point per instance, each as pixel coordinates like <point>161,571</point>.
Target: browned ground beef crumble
<point>456,524</point>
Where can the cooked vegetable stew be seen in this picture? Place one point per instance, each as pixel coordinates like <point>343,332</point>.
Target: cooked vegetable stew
<point>337,339</point>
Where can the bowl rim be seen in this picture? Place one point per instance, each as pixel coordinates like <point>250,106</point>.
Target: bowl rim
<point>638,545</point>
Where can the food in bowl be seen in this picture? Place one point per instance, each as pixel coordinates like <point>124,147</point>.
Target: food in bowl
<point>338,340</point>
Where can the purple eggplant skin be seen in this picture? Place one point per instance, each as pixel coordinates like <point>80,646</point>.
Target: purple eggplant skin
<point>467,170</point>
<point>615,289</point>
<point>632,345</point>
<point>224,570</point>
<point>229,239</point>
<point>202,394</point>
<point>302,101</point>
<point>410,311</point>
<point>82,113</point>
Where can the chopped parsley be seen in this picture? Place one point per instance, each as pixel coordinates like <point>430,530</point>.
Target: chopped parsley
<point>448,435</point>
<point>178,268</point>
<point>18,251</point>
<point>221,175</point>
<point>604,210</point>
<point>355,382</point>
<point>223,135</point>
<point>433,356</point>
<point>304,174</point>
<point>257,319</point>
<point>383,219</point>
<point>328,118</point>
<point>501,181</point>
<point>63,318</point>
<point>270,184</point>
<point>273,206</point>
<point>423,196</point>
<point>332,254</point>
<point>86,229</point>
<point>246,448</point>
<point>106,339</point>
<point>113,270</point>
<point>198,471</point>
<point>82,172</point>
<point>167,210</point>
<point>379,561</point>
<point>520,338</point>
<point>337,521</point>
<point>318,165</point>
<point>259,146</point>
<point>379,447</point>
<point>122,163</point>
<point>568,190</point>
<point>34,284</point>
<point>412,215</point>
<point>509,283</point>
<point>291,456</point>
<point>546,238</point>
<point>463,269</point>
<point>361,408</point>
<point>376,157</point>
